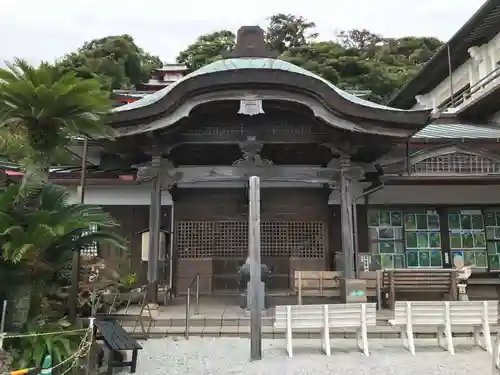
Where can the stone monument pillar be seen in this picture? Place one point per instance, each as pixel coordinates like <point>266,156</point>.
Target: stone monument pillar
<point>352,289</point>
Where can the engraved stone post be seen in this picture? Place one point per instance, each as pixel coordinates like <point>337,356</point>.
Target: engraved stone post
<point>352,289</point>
<point>255,287</point>
<point>346,219</point>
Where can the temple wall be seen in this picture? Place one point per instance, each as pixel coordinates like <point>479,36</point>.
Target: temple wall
<point>212,234</point>
<point>211,227</point>
<point>132,220</point>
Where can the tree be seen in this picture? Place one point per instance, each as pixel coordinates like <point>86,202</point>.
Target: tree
<point>207,49</point>
<point>115,60</point>
<point>358,39</point>
<point>356,60</point>
<point>38,234</point>
<point>288,31</point>
<point>360,60</point>
<point>46,108</point>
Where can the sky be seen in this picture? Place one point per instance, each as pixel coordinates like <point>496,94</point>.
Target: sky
<point>45,30</point>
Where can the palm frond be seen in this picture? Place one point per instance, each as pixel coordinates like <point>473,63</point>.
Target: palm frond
<point>48,107</point>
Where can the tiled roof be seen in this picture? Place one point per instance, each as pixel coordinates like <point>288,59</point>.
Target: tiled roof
<point>459,131</point>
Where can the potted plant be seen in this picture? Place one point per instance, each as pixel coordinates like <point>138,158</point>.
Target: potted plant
<point>127,283</point>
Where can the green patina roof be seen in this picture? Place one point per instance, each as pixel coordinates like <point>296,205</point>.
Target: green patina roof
<point>248,63</point>
<point>458,131</point>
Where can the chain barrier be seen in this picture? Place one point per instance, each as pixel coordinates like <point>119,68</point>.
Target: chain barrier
<point>83,350</point>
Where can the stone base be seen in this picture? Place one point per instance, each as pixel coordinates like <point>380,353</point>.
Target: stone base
<point>462,292</point>
<point>263,300</point>
<point>353,291</point>
<point>244,301</point>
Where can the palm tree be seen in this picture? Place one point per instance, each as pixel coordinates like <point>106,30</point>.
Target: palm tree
<point>38,234</point>
<point>47,109</point>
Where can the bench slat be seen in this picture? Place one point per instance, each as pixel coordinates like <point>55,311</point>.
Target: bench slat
<point>468,313</point>
<point>312,316</point>
<point>115,336</point>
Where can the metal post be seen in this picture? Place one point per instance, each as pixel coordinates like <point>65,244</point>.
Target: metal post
<point>2,323</point>
<point>197,306</point>
<point>355,234</point>
<point>254,286</point>
<point>188,308</point>
<point>450,73</point>
<point>91,341</point>
<point>408,156</point>
<point>75,268</point>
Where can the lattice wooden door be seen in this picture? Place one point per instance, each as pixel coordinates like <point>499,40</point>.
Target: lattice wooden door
<point>226,242</point>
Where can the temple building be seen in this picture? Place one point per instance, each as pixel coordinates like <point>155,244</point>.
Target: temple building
<point>194,144</point>
<point>160,78</point>
<point>346,184</point>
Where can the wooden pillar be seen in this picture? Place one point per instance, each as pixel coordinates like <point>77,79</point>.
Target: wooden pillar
<point>75,268</point>
<point>154,231</point>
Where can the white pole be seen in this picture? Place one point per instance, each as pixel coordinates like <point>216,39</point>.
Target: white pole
<point>90,343</point>
<point>255,286</point>
<point>2,323</point>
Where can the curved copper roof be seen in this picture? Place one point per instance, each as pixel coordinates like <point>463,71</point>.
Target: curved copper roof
<point>251,72</point>
<point>248,63</point>
<point>252,67</point>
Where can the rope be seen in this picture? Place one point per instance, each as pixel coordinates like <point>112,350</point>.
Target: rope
<point>83,348</point>
<point>7,336</point>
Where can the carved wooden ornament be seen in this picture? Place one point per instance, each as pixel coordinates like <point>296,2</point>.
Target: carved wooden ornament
<point>251,106</point>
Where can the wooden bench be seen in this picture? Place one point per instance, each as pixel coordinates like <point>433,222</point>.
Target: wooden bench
<point>444,315</point>
<point>116,340</point>
<point>320,318</point>
<point>396,281</point>
<point>327,284</point>
<point>137,320</point>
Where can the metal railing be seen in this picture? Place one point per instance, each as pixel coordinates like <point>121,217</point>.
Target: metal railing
<point>194,282</point>
<point>467,94</point>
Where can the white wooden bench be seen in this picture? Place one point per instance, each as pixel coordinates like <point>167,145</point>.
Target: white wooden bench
<point>479,315</point>
<point>320,318</point>
<point>444,315</point>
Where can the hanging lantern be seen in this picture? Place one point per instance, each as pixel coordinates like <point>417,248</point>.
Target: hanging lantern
<point>251,106</point>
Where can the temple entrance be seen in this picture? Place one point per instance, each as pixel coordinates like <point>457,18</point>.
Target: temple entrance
<point>284,245</point>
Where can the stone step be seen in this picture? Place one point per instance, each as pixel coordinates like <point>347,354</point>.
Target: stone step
<point>269,332</point>
<point>196,321</point>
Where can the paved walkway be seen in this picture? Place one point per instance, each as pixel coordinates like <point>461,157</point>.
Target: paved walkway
<point>210,308</point>
<point>225,356</point>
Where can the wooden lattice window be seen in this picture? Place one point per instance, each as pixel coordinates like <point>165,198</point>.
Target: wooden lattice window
<point>203,239</point>
<point>458,163</point>
<point>92,250</point>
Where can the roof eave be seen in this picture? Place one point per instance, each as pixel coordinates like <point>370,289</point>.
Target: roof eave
<point>405,97</point>
<point>286,79</point>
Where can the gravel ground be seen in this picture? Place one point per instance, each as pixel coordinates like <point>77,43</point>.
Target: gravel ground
<point>231,356</point>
